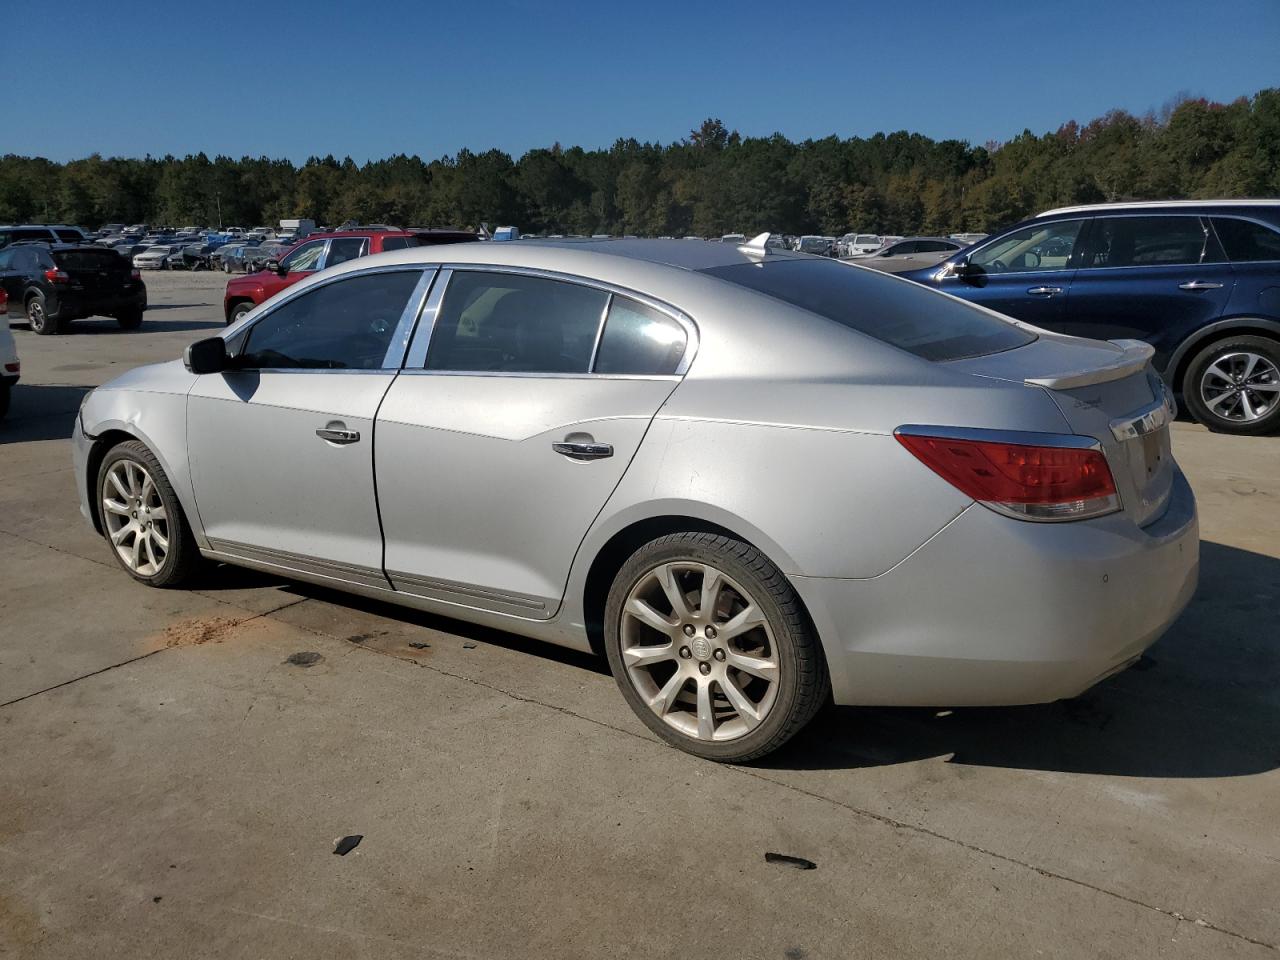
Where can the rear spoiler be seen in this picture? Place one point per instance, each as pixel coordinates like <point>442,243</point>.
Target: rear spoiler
<point>1134,356</point>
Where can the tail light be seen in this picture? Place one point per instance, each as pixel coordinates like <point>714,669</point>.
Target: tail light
<point>4,303</point>
<point>135,274</point>
<point>56,276</point>
<point>1044,477</point>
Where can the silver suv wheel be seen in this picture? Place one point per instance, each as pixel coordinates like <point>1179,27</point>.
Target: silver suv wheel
<point>1242,387</point>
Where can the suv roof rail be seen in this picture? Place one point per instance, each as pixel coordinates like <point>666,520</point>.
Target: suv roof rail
<point>1149,204</point>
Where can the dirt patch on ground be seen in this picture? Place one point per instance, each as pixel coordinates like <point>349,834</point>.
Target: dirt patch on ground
<point>197,631</point>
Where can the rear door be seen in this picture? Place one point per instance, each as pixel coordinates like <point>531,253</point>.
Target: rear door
<point>98,274</point>
<point>1026,273</point>
<point>508,430</point>
<point>1151,277</point>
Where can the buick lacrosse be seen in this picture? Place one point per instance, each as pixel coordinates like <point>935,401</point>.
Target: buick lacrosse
<point>754,480</point>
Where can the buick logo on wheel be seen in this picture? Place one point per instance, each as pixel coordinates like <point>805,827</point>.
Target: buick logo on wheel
<point>701,647</point>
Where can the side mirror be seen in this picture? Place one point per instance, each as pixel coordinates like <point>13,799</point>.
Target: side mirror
<point>206,356</point>
<point>274,267</point>
<point>958,267</point>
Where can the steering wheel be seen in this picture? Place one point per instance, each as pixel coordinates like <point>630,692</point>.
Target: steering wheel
<point>998,266</point>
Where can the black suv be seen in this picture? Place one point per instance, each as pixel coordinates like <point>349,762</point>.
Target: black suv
<point>57,283</point>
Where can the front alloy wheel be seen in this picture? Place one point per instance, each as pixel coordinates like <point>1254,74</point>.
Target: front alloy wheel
<point>711,647</point>
<point>135,517</point>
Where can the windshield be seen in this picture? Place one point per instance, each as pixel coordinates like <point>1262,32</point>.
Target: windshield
<point>896,312</point>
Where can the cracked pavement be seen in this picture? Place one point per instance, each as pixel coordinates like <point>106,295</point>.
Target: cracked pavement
<point>170,784</point>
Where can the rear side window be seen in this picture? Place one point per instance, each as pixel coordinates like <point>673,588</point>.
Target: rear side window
<point>640,341</point>
<point>1149,242</point>
<point>510,323</point>
<point>394,243</point>
<point>343,249</point>
<point>897,312</point>
<point>1247,242</point>
<point>70,236</point>
<point>345,325</point>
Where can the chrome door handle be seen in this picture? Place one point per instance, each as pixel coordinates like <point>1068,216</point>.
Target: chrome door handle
<point>1199,285</point>
<point>1043,291</point>
<point>576,450</point>
<point>338,434</point>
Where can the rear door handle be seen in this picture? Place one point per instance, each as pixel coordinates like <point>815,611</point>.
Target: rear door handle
<point>1044,291</point>
<point>338,433</point>
<point>577,450</point>
<point>1200,285</point>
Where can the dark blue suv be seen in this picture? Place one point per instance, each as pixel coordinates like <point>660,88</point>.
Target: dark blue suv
<point>1198,280</point>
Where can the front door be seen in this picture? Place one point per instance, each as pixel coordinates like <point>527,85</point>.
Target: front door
<point>1025,274</point>
<point>281,447</point>
<point>500,442</point>
<point>1152,278</point>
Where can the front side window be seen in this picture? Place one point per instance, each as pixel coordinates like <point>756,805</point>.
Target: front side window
<point>306,257</point>
<point>346,325</point>
<point>515,324</point>
<point>640,341</point>
<point>1149,242</point>
<point>343,249</point>
<point>1246,241</point>
<point>1042,246</point>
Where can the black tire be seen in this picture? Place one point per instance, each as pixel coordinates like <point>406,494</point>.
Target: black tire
<point>183,556</point>
<point>38,316</point>
<point>130,321</point>
<point>803,683</point>
<point>5,392</point>
<point>1218,417</point>
<point>238,311</point>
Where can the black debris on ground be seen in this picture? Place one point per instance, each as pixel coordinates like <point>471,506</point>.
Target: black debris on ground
<point>304,658</point>
<point>418,644</point>
<point>786,860</point>
<point>347,844</point>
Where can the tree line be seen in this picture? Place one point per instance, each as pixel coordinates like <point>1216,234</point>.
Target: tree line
<point>715,181</point>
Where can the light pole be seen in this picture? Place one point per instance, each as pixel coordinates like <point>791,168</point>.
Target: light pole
<point>217,195</point>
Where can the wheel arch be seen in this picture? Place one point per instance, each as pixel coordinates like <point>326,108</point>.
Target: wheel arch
<point>103,443</point>
<point>1208,335</point>
<point>232,302</point>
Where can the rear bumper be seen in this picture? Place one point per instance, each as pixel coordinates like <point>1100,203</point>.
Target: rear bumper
<point>72,304</point>
<point>994,611</point>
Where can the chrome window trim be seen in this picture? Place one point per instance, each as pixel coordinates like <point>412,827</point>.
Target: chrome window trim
<point>595,346</point>
<point>416,361</point>
<point>402,333</point>
<point>526,375</point>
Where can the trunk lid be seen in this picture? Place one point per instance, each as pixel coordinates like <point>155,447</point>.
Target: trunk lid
<point>1105,390</point>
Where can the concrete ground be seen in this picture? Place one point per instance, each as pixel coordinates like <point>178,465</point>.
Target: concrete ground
<point>171,784</point>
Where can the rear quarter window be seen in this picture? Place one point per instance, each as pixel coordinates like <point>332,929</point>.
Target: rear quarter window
<point>1245,241</point>
<point>893,311</point>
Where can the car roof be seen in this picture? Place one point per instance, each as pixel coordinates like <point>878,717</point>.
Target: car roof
<point>1159,205</point>
<point>685,254</point>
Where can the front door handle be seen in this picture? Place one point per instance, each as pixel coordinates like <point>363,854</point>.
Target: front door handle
<point>578,450</point>
<point>1199,285</point>
<point>1044,291</point>
<point>338,433</point>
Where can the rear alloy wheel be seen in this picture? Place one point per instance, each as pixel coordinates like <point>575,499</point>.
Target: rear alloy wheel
<point>142,518</point>
<point>1234,386</point>
<point>38,316</point>
<point>710,646</point>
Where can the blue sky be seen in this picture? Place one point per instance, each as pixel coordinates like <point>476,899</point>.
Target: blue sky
<point>372,79</point>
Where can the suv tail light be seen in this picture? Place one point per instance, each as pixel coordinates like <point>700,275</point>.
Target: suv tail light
<point>56,276</point>
<point>1045,477</point>
<point>4,303</point>
<point>135,274</point>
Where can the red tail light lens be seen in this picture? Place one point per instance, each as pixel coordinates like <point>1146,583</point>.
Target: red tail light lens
<point>56,276</point>
<point>1030,481</point>
<point>4,303</point>
<point>135,274</point>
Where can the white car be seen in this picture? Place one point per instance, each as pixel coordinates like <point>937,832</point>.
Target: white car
<point>10,366</point>
<point>153,258</point>
<point>863,244</point>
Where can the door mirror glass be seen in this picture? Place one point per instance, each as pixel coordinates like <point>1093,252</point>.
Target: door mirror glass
<point>206,356</point>
<point>274,267</point>
<point>958,267</point>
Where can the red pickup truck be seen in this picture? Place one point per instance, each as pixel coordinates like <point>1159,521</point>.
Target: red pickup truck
<point>324,250</point>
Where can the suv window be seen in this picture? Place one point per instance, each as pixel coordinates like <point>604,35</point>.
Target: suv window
<point>69,236</point>
<point>515,324</point>
<point>15,234</point>
<point>1247,242</point>
<point>343,249</point>
<point>1150,241</point>
<point>345,325</point>
<point>306,257</point>
<point>639,340</point>
<point>394,243</point>
<point>24,258</point>
<point>910,317</point>
<point>1041,246</point>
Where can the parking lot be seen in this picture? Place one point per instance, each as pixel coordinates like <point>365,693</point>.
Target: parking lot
<point>177,765</point>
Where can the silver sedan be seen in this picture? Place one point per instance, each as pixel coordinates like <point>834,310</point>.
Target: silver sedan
<point>754,480</point>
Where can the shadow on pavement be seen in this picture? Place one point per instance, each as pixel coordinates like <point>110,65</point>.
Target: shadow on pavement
<point>1204,702</point>
<point>41,412</point>
<point>105,325</point>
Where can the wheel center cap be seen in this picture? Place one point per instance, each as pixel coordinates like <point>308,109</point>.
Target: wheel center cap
<point>701,648</point>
